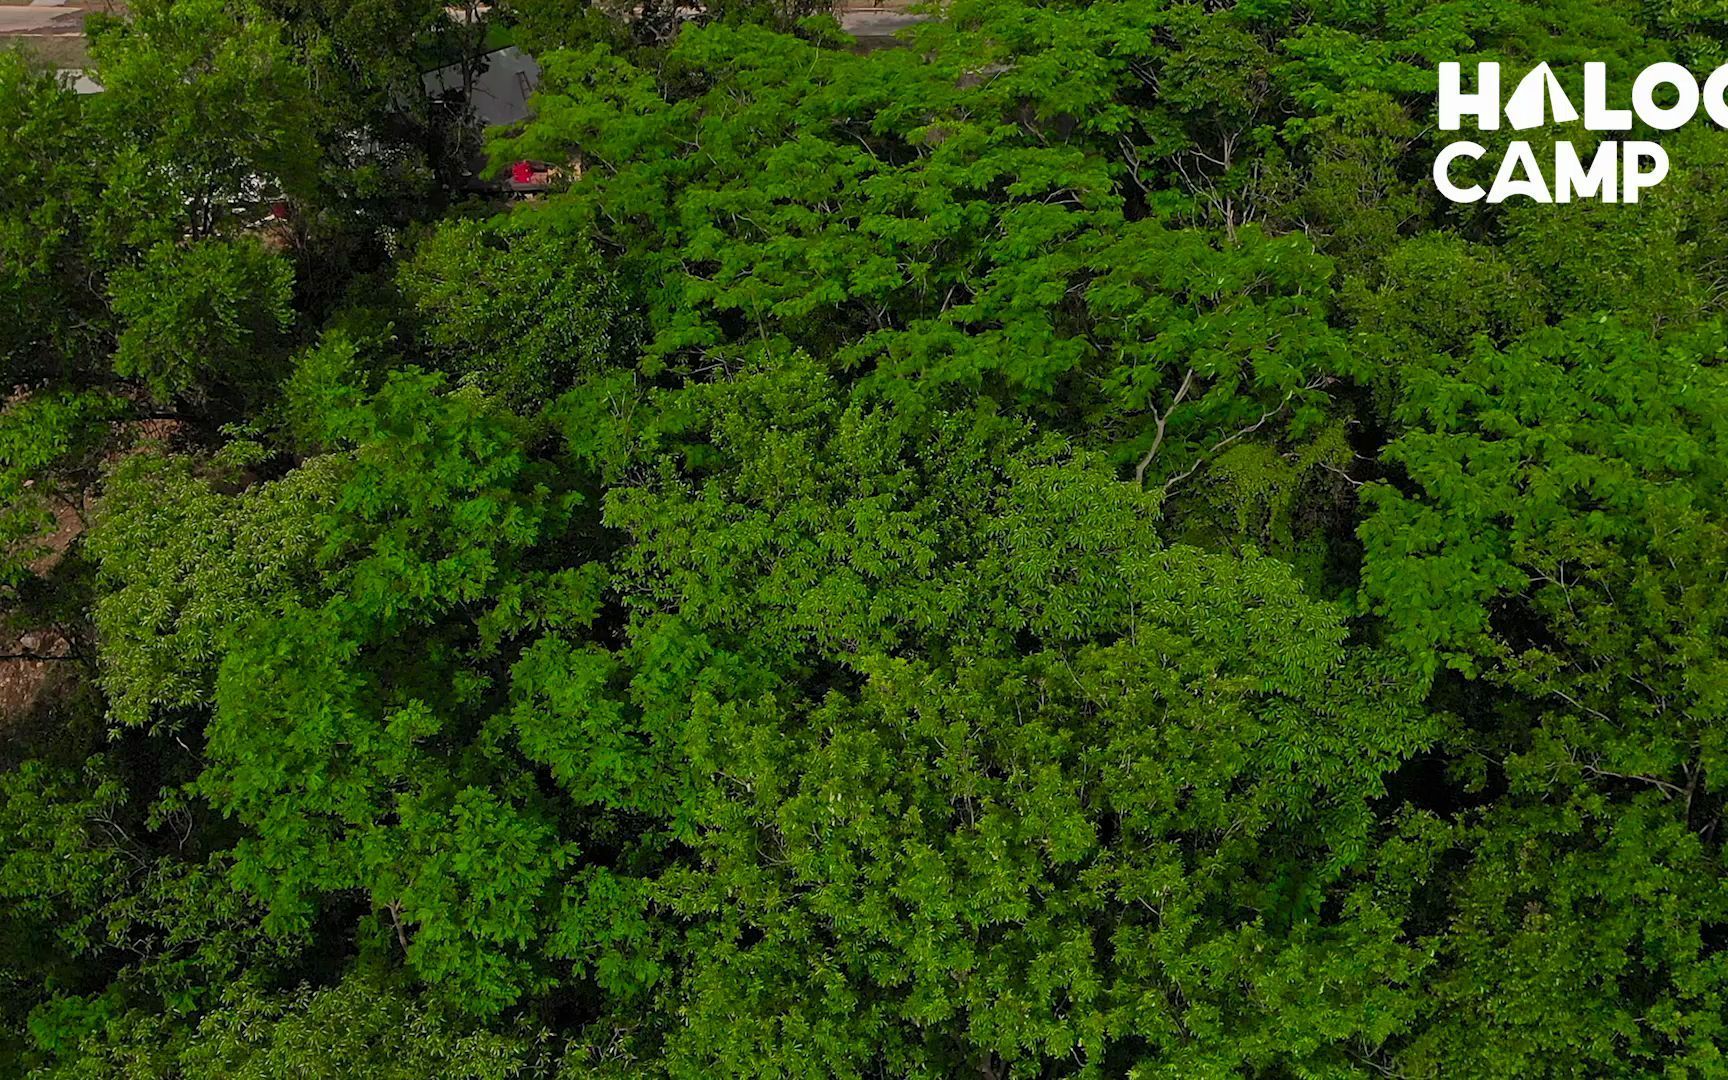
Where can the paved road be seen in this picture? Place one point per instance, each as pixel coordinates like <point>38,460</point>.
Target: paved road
<point>877,22</point>
<point>50,17</point>
<point>40,19</point>
<point>875,29</point>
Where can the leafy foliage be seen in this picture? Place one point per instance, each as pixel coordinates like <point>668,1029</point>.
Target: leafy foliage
<point>1042,553</point>
<point>200,316</point>
<point>517,307</point>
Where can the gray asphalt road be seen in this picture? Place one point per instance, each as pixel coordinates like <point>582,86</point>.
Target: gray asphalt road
<point>877,24</point>
<point>44,19</point>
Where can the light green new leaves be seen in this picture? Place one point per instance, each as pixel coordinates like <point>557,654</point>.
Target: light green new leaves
<point>185,569</point>
<point>366,1026</point>
<point>900,214</point>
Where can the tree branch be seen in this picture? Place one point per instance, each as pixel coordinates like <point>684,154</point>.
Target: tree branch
<point>1163,420</point>
<point>1244,433</point>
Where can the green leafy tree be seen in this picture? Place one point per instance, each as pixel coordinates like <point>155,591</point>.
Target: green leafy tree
<point>515,306</point>
<point>986,778</point>
<point>1045,553</point>
<point>946,247</point>
<point>204,120</point>
<point>366,776</point>
<point>1556,534</point>
<point>364,1026</point>
<point>43,173</point>
<point>203,318</point>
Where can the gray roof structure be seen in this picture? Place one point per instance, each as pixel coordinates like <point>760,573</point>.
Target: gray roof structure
<point>501,90</point>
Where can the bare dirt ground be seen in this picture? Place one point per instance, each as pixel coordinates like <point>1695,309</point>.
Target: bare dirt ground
<point>51,29</point>
<point>25,684</point>
<point>24,680</point>
<point>38,665</point>
<point>62,53</point>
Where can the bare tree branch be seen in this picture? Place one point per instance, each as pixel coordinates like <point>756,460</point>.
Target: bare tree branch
<point>1163,420</point>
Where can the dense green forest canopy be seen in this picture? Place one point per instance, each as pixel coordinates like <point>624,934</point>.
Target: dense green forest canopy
<point>1046,551</point>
